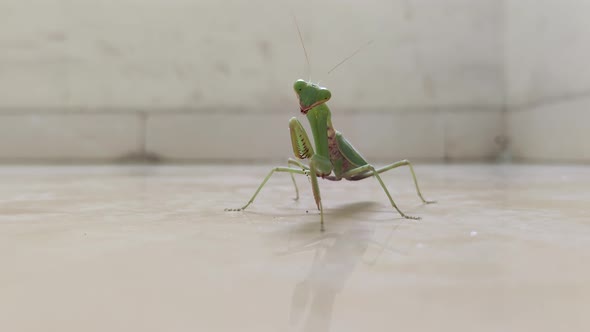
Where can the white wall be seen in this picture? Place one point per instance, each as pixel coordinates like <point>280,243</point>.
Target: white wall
<point>548,79</point>
<point>202,80</point>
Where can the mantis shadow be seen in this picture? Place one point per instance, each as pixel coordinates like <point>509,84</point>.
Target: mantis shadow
<point>336,255</point>
<point>346,215</point>
<point>352,209</point>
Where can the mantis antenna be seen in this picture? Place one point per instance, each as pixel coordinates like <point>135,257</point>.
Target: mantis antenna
<point>303,45</point>
<point>350,56</point>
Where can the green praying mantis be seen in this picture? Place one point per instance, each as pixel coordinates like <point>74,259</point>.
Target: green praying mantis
<point>334,158</point>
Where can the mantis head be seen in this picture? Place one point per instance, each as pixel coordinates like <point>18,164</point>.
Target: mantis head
<point>310,95</point>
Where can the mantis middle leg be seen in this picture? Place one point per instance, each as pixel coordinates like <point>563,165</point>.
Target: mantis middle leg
<point>276,169</point>
<point>312,172</point>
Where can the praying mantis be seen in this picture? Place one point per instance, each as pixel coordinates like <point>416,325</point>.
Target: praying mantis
<point>334,158</point>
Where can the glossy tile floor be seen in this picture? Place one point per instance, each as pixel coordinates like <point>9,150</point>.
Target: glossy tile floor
<point>149,248</point>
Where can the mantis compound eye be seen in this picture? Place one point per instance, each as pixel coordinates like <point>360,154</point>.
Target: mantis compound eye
<point>299,85</point>
<point>325,94</point>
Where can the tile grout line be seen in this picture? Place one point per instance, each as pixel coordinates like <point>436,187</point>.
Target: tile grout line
<point>12,111</point>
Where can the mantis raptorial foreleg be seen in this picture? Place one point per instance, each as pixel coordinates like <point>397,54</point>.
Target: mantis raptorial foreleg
<point>276,169</point>
<point>392,166</point>
<point>371,171</point>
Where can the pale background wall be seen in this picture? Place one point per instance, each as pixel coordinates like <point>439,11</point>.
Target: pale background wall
<point>548,79</point>
<point>211,80</point>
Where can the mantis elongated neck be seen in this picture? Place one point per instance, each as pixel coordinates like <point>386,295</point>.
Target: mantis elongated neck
<point>319,120</point>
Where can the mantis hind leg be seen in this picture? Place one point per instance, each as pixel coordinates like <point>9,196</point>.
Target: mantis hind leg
<point>368,170</point>
<point>390,167</point>
<point>276,169</point>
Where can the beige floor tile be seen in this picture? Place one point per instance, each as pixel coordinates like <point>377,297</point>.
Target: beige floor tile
<point>151,249</point>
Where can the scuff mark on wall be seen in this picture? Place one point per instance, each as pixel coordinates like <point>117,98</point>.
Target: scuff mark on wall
<point>223,68</point>
<point>265,49</point>
<point>57,36</point>
<point>108,48</point>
